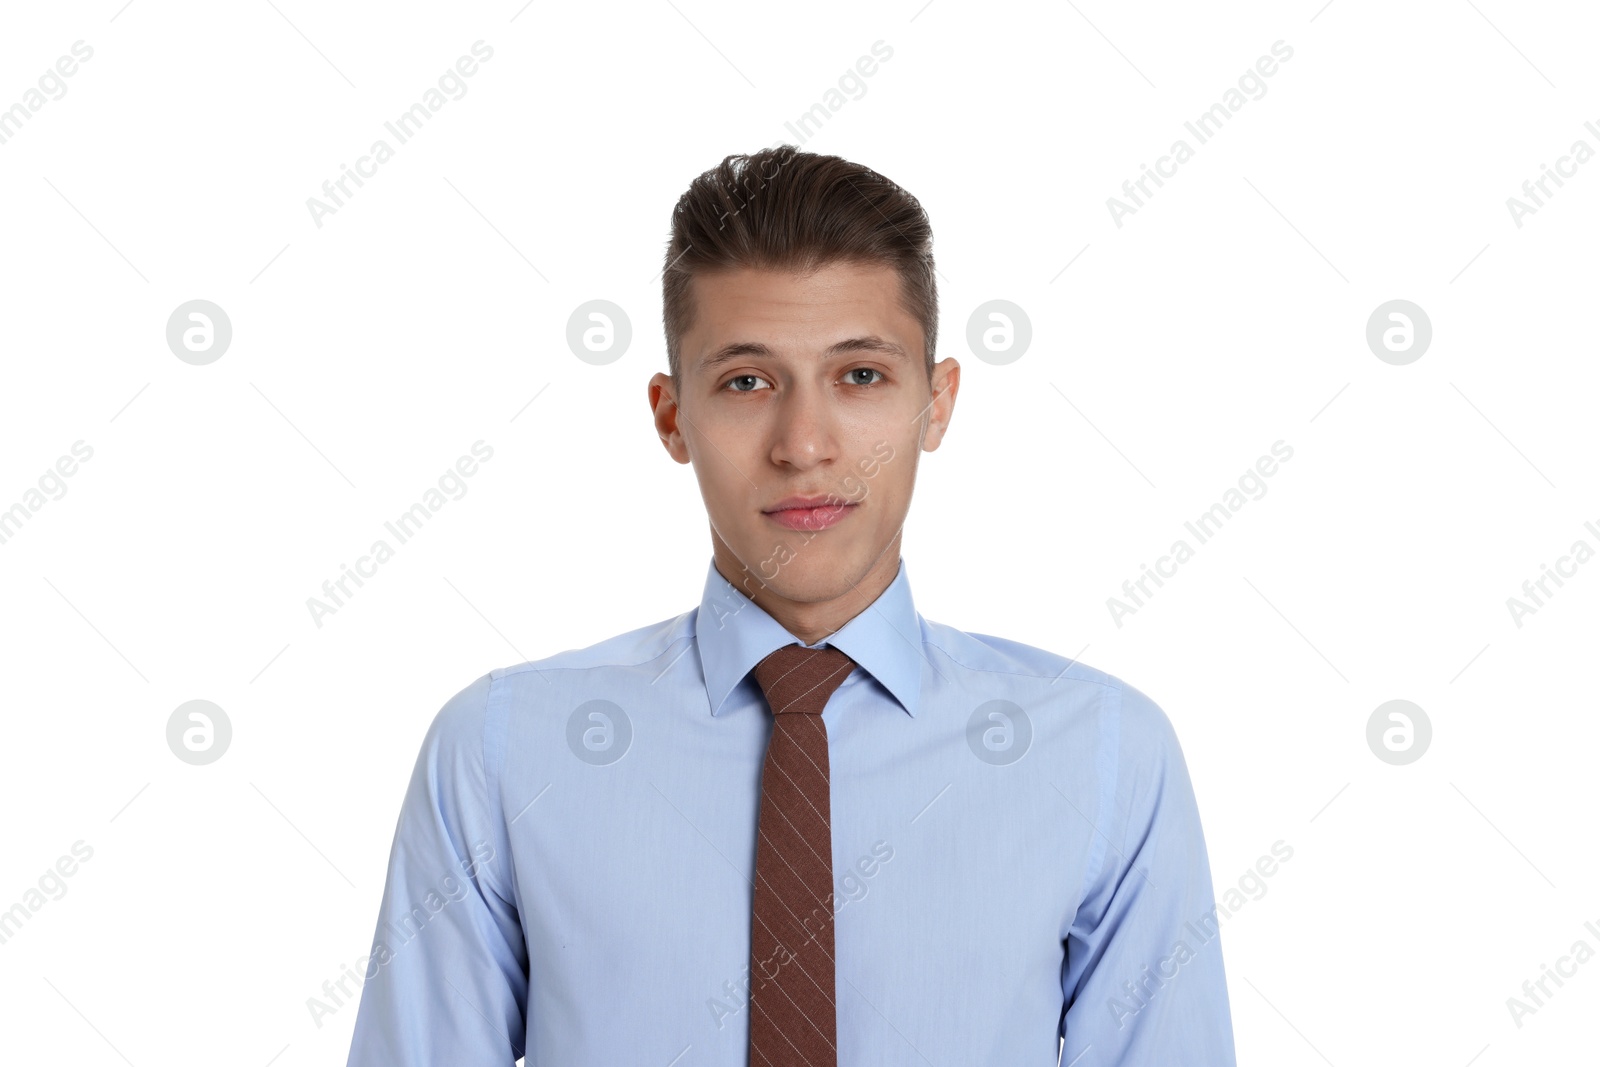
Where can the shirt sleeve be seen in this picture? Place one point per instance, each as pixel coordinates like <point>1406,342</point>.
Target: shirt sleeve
<point>447,980</point>
<point>1143,979</point>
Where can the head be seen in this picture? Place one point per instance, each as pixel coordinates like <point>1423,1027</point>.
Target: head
<point>801,313</point>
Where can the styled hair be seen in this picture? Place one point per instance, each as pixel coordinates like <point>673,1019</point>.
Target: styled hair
<point>784,209</point>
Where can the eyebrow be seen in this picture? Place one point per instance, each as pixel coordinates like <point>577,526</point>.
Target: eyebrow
<point>736,349</point>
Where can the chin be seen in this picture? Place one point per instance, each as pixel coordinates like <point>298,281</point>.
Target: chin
<point>807,572</point>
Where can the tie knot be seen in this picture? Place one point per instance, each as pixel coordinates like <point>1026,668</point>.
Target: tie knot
<point>799,679</point>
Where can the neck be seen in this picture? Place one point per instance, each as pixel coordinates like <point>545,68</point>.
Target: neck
<point>811,620</point>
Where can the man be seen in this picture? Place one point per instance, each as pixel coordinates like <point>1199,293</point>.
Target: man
<point>800,824</point>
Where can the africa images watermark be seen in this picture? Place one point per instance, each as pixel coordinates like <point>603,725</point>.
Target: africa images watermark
<point>1582,952</point>
<point>52,486</point>
<point>851,81</point>
<point>1204,527</point>
<point>1566,567</point>
<point>1210,123</point>
<point>851,888</point>
<point>404,127</point>
<point>52,886</point>
<point>52,82</point>
<point>855,491</point>
<point>1580,152</point>
<point>404,929</point>
<point>404,527</point>
<point>1136,994</point>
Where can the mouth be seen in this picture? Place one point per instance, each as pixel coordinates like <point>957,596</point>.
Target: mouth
<point>809,513</point>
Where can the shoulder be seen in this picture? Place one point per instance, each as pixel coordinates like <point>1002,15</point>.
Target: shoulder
<point>1141,728</point>
<point>999,655</point>
<point>642,650</point>
<point>465,712</point>
<point>458,726</point>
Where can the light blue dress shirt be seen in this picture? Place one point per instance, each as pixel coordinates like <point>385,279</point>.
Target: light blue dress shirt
<point>1017,857</point>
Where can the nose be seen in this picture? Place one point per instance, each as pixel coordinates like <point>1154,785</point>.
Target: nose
<point>806,431</point>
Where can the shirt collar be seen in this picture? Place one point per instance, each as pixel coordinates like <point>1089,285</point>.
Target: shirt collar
<point>733,634</point>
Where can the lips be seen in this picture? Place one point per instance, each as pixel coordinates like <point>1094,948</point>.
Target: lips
<point>815,500</point>
<point>809,513</point>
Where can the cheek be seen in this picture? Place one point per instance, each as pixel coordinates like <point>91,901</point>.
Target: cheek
<point>883,476</point>
<point>717,480</point>
<point>725,490</point>
<point>719,453</point>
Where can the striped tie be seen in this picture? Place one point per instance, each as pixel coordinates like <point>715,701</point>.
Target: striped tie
<point>792,1020</point>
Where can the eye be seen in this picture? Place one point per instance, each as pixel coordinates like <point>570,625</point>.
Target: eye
<point>869,370</point>
<point>741,378</point>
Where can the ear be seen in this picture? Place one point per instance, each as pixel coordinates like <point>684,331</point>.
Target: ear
<point>664,409</point>
<point>946,383</point>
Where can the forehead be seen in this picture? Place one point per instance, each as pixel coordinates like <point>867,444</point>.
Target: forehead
<point>785,311</point>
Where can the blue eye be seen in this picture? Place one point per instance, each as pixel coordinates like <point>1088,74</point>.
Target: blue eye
<point>754,380</point>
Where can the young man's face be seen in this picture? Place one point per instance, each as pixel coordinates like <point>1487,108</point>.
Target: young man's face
<point>804,386</point>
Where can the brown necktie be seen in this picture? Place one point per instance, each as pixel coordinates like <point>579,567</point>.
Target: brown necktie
<point>792,1020</point>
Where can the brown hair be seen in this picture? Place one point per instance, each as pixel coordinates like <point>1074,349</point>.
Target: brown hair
<point>784,209</point>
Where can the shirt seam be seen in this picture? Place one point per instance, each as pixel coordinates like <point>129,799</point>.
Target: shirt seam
<point>496,720</point>
<point>1108,761</point>
<point>1109,684</point>
<point>532,665</point>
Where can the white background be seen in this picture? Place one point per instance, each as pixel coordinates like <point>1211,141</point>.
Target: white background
<point>370,352</point>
